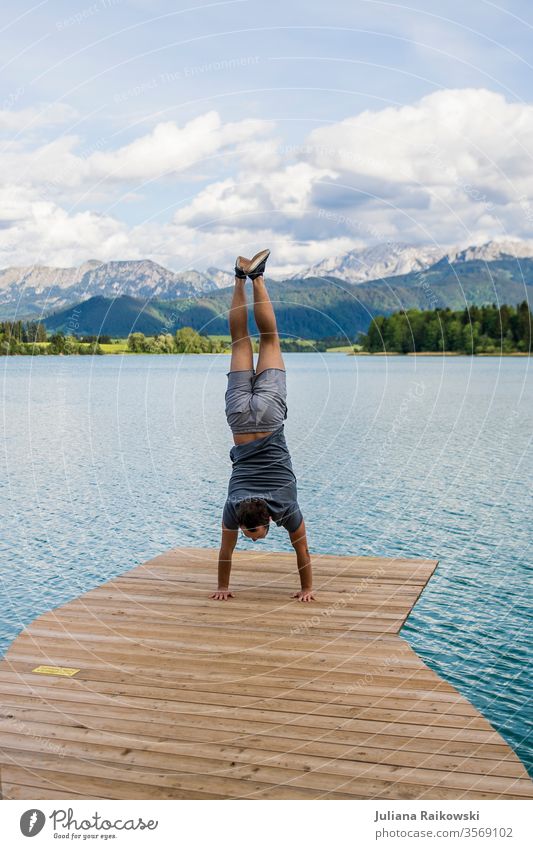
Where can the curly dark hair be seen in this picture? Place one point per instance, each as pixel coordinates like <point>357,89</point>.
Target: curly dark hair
<point>252,513</point>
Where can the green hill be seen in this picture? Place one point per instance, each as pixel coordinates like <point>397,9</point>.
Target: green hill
<point>108,316</point>
<point>312,308</point>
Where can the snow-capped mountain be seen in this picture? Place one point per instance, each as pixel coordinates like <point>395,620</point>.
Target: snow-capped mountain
<point>144,279</point>
<point>393,258</point>
<point>39,289</point>
<point>220,278</point>
<point>385,260</point>
<point>40,278</point>
<point>494,250</point>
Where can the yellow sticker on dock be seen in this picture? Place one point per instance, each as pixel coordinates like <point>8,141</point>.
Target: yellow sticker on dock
<point>56,670</point>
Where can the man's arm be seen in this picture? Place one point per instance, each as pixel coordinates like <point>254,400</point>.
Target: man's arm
<point>303,559</point>
<point>227,546</point>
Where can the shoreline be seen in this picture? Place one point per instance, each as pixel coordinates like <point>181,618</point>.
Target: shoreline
<point>439,354</point>
<point>498,354</point>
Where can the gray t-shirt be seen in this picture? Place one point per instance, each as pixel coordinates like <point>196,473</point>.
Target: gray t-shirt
<point>263,469</point>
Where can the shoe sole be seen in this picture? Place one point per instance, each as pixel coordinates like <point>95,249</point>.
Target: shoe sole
<point>238,262</point>
<point>262,256</point>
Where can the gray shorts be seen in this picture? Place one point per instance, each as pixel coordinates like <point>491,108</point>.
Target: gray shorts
<point>256,402</point>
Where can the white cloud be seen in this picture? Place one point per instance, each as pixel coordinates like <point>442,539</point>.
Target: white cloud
<point>448,137</point>
<point>59,238</point>
<point>27,120</point>
<point>219,204</point>
<point>278,195</point>
<point>452,167</point>
<point>35,230</point>
<point>170,149</point>
<point>180,246</point>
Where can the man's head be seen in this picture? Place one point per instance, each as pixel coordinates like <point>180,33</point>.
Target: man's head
<point>253,518</point>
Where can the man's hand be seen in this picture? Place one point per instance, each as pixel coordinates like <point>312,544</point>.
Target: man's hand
<point>299,543</point>
<point>222,595</point>
<point>304,595</point>
<point>227,545</point>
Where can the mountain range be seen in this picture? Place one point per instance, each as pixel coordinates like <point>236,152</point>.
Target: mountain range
<point>391,259</point>
<point>334,297</point>
<point>36,290</point>
<point>312,308</point>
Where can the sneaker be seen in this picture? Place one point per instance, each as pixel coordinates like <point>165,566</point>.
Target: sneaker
<point>254,267</point>
<point>257,264</point>
<point>241,263</point>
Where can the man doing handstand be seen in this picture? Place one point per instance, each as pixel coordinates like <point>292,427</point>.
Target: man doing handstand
<point>262,486</point>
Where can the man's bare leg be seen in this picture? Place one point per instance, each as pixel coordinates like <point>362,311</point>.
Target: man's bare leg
<point>270,355</point>
<point>242,357</point>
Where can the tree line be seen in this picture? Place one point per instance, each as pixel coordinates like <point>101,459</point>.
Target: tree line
<point>184,341</point>
<point>474,330</point>
<point>31,338</point>
<point>189,341</point>
<point>15,334</point>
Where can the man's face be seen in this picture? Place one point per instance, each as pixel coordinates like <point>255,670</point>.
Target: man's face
<point>257,533</point>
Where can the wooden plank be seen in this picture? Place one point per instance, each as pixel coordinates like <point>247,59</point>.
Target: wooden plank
<point>235,625</point>
<point>238,672</point>
<point>394,595</point>
<point>183,602</point>
<point>473,730</point>
<point>26,708</point>
<point>281,579</point>
<point>218,713</point>
<point>376,687</point>
<point>194,557</point>
<point>39,720</point>
<point>20,791</point>
<point>385,735</point>
<point>346,643</point>
<point>15,683</point>
<point>181,697</point>
<point>148,784</point>
<point>98,646</point>
<point>310,772</point>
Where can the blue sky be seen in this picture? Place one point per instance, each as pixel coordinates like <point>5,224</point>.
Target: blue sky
<point>188,133</point>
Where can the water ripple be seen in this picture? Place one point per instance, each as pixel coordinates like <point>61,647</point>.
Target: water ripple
<point>110,462</point>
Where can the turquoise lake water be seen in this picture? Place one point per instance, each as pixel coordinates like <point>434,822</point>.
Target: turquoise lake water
<point>111,460</point>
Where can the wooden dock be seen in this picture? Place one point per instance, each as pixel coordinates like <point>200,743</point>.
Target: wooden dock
<point>260,697</point>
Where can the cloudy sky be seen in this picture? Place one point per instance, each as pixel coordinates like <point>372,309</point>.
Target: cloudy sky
<point>189,131</point>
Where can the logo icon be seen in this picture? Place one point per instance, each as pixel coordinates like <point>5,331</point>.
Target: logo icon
<point>32,822</point>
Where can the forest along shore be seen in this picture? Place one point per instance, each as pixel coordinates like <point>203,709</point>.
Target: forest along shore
<point>482,331</point>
